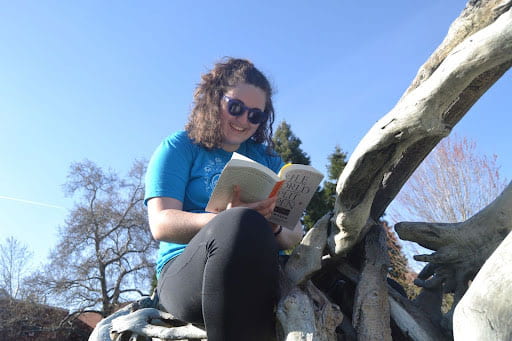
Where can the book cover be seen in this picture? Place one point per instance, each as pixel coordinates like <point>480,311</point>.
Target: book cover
<point>300,184</point>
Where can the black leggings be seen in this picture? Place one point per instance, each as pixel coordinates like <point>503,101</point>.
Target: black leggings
<point>226,278</point>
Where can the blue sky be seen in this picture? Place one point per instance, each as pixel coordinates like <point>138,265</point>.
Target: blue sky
<point>108,80</point>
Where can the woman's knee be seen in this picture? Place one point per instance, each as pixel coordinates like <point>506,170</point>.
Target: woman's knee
<point>244,226</point>
<point>240,217</point>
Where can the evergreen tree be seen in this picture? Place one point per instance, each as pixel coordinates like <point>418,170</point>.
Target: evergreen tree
<point>287,145</point>
<point>337,162</point>
<point>324,198</point>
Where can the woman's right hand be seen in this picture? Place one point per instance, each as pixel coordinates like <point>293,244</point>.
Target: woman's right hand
<point>264,207</point>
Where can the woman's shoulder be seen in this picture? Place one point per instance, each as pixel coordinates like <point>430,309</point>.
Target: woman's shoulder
<point>178,142</point>
<point>263,154</point>
<point>261,148</point>
<point>180,139</point>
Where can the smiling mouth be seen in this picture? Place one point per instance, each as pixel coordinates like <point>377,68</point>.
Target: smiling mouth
<point>239,129</point>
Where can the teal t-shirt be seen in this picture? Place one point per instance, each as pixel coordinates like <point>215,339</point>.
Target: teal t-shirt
<point>183,170</point>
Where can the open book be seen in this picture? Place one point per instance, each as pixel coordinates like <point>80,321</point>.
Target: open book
<point>294,185</point>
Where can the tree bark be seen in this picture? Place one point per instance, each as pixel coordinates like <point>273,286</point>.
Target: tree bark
<point>307,314</point>
<point>371,306</point>
<point>307,256</point>
<point>413,321</point>
<point>410,319</point>
<point>153,323</point>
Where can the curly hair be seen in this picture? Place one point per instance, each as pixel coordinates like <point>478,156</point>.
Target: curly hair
<point>203,125</point>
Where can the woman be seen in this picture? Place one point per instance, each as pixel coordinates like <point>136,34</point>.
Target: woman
<point>218,269</point>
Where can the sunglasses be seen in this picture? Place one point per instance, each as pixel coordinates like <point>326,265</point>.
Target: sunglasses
<point>236,108</point>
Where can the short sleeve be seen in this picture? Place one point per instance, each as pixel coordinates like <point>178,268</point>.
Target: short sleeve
<point>169,168</point>
<point>261,153</point>
<point>275,162</point>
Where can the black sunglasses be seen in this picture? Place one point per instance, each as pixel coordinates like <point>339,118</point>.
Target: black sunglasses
<point>236,108</point>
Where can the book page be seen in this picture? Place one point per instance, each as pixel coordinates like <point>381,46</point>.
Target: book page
<point>240,160</point>
<point>295,194</point>
<point>254,186</point>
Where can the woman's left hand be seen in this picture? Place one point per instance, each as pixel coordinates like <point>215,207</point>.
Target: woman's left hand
<point>264,207</point>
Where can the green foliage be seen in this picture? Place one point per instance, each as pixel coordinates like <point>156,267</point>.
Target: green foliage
<point>287,145</point>
<point>316,209</point>
<point>324,198</point>
<point>337,162</point>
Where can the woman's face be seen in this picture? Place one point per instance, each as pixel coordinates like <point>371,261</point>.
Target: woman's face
<point>237,129</point>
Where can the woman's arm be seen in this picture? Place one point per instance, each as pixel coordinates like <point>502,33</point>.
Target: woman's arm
<point>168,222</point>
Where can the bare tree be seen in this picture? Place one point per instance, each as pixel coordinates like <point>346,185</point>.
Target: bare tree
<point>15,260</point>
<point>451,185</point>
<point>105,253</point>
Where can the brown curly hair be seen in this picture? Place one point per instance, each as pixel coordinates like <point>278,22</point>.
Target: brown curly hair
<point>203,125</point>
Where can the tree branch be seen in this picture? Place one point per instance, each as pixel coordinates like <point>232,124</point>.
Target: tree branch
<point>371,307</point>
<point>398,142</point>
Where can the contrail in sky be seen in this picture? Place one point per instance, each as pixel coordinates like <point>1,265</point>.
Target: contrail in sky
<point>32,202</point>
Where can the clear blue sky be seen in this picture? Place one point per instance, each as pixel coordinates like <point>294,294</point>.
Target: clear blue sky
<point>108,80</point>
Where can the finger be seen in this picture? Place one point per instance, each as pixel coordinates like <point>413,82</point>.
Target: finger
<point>236,193</point>
<point>443,255</point>
<point>268,201</point>
<point>434,282</point>
<point>428,271</point>
<point>430,235</point>
<point>272,200</point>
<point>235,197</point>
<point>431,258</point>
<point>266,212</point>
<point>262,206</point>
<point>421,258</point>
<point>273,205</point>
